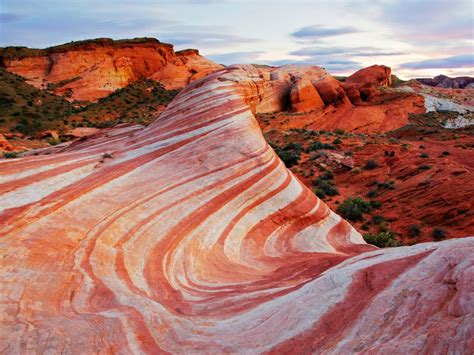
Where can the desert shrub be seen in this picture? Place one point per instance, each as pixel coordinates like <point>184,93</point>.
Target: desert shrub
<point>378,219</point>
<point>371,164</point>
<point>328,187</point>
<point>438,234</point>
<point>390,185</point>
<point>289,157</point>
<point>375,204</point>
<point>382,239</point>
<point>319,145</point>
<point>372,194</point>
<point>424,155</point>
<point>445,153</point>
<point>337,141</point>
<point>325,185</point>
<point>339,131</point>
<point>354,208</point>
<point>10,155</point>
<point>327,175</point>
<point>414,231</point>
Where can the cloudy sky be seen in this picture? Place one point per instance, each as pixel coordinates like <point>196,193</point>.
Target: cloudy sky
<point>417,38</point>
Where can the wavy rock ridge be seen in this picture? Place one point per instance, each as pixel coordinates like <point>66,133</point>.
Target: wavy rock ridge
<point>191,236</point>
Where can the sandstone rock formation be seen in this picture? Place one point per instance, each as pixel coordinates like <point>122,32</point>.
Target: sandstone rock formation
<point>93,69</point>
<point>304,97</point>
<point>4,144</point>
<point>363,103</point>
<point>363,84</point>
<point>190,236</point>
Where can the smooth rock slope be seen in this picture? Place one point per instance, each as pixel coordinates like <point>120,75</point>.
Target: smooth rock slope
<point>190,236</point>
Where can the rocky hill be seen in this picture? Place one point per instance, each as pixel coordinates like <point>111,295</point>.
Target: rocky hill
<point>191,236</point>
<point>443,81</point>
<point>91,69</point>
<point>30,117</point>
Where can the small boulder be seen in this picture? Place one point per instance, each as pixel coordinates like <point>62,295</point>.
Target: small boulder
<point>48,134</point>
<point>4,145</point>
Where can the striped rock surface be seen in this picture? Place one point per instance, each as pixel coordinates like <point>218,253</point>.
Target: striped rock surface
<point>190,236</point>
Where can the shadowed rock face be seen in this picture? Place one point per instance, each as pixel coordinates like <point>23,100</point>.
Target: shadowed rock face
<point>93,69</point>
<point>191,236</point>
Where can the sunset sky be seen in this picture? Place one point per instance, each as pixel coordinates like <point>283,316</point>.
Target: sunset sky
<point>416,38</point>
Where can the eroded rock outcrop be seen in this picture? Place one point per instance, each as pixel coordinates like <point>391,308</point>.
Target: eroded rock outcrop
<point>363,84</point>
<point>191,236</point>
<point>4,144</point>
<point>304,97</point>
<point>92,69</point>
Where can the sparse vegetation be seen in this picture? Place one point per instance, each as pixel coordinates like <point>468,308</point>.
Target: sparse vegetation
<point>372,194</point>
<point>319,145</point>
<point>290,154</point>
<point>384,239</point>
<point>354,208</point>
<point>325,185</point>
<point>371,164</point>
<point>414,231</point>
<point>28,110</point>
<point>438,234</point>
<point>10,155</point>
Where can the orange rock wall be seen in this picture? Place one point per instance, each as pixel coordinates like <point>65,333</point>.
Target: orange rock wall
<point>95,71</point>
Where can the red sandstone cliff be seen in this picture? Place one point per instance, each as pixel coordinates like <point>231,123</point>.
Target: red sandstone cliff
<point>92,69</point>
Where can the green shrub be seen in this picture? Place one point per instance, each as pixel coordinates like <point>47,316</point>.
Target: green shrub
<point>290,158</point>
<point>375,204</point>
<point>339,131</point>
<point>390,185</point>
<point>438,234</point>
<point>318,145</point>
<point>325,185</point>
<point>424,155</point>
<point>382,239</point>
<point>372,194</point>
<point>378,219</point>
<point>337,141</point>
<point>414,231</point>
<point>10,155</point>
<point>371,164</point>
<point>354,208</point>
<point>328,187</point>
<point>327,175</point>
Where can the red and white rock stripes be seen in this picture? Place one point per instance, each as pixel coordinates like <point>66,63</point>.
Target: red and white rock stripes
<point>193,237</point>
